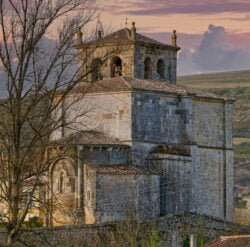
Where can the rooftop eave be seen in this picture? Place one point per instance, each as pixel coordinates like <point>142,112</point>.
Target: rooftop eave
<point>126,42</point>
<point>101,44</point>
<point>215,98</point>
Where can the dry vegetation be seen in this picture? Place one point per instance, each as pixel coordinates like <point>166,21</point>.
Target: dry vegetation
<point>234,79</point>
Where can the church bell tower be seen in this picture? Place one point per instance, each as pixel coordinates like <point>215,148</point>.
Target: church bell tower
<point>130,54</point>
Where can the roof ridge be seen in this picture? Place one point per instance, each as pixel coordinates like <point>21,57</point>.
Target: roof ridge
<point>151,39</point>
<point>126,82</point>
<point>124,34</point>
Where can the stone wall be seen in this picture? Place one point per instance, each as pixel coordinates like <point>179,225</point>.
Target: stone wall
<point>106,53</point>
<point>105,155</point>
<point>133,60</point>
<point>208,123</point>
<point>155,118</point>
<point>159,118</point>
<point>120,197</point>
<point>155,54</point>
<point>213,170</point>
<point>105,112</point>
<point>175,181</point>
<point>213,182</point>
<point>148,196</point>
<point>116,195</point>
<point>208,182</point>
<point>173,229</point>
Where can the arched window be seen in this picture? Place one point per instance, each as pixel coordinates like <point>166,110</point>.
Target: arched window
<point>147,68</point>
<point>96,73</point>
<point>116,67</point>
<point>161,69</point>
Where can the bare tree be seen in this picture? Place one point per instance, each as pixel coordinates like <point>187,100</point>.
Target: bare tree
<point>39,74</point>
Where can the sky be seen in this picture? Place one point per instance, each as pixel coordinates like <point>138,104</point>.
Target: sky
<point>214,34</point>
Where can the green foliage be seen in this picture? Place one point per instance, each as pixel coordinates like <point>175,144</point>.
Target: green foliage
<point>242,132</point>
<point>154,240</point>
<point>242,77</point>
<point>202,239</point>
<point>237,93</point>
<point>242,151</point>
<point>34,222</point>
<point>186,242</point>
<point>246,194</point>
<point>240,203</point>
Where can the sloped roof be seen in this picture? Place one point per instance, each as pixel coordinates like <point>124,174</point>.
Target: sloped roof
<point>90,138</point>
<point>129,83</point>
<point>231,241</point>
<point>123,35</point>
<point>121,170</point>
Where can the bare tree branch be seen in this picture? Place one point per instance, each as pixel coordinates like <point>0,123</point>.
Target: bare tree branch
<point>40,75</point>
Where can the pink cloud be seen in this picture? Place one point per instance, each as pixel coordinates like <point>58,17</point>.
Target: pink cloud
<point>161,7</point>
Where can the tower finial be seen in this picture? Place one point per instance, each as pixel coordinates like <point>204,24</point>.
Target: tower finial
<point>133,31</point>
<point>174,39</point>
<point>99,28</point>
<point>79,36</point>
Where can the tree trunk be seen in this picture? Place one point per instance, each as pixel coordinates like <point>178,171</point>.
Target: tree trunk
<point>10,239</point>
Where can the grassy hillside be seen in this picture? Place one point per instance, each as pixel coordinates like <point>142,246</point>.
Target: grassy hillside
<point>232,79</point>
<point>231,85</point>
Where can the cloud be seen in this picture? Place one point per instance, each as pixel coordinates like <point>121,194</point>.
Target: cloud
<point>214,54</point>
<point>47,50</point>
<point>237,19</point>
<point>194,9</point>
<point>163,7</point>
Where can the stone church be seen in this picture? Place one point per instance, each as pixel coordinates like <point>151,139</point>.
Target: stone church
<point>145,147</point>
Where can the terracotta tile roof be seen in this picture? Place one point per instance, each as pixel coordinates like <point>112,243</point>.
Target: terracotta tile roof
<point>90,138</point>
<point>128,84</point>
<point>175,150</point>
<point>121,170</point>
<point>123,35</point>
<point>231,241</point>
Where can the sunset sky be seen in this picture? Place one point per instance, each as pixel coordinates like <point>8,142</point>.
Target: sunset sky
<point>215,30</point>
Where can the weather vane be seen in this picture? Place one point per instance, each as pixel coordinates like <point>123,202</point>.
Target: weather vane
<point>99,28</point>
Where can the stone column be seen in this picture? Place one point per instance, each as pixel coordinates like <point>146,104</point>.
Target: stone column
<point>80,189</point>
<point>228,160</point>
<point>186,114</point>
<point>193,241</point>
